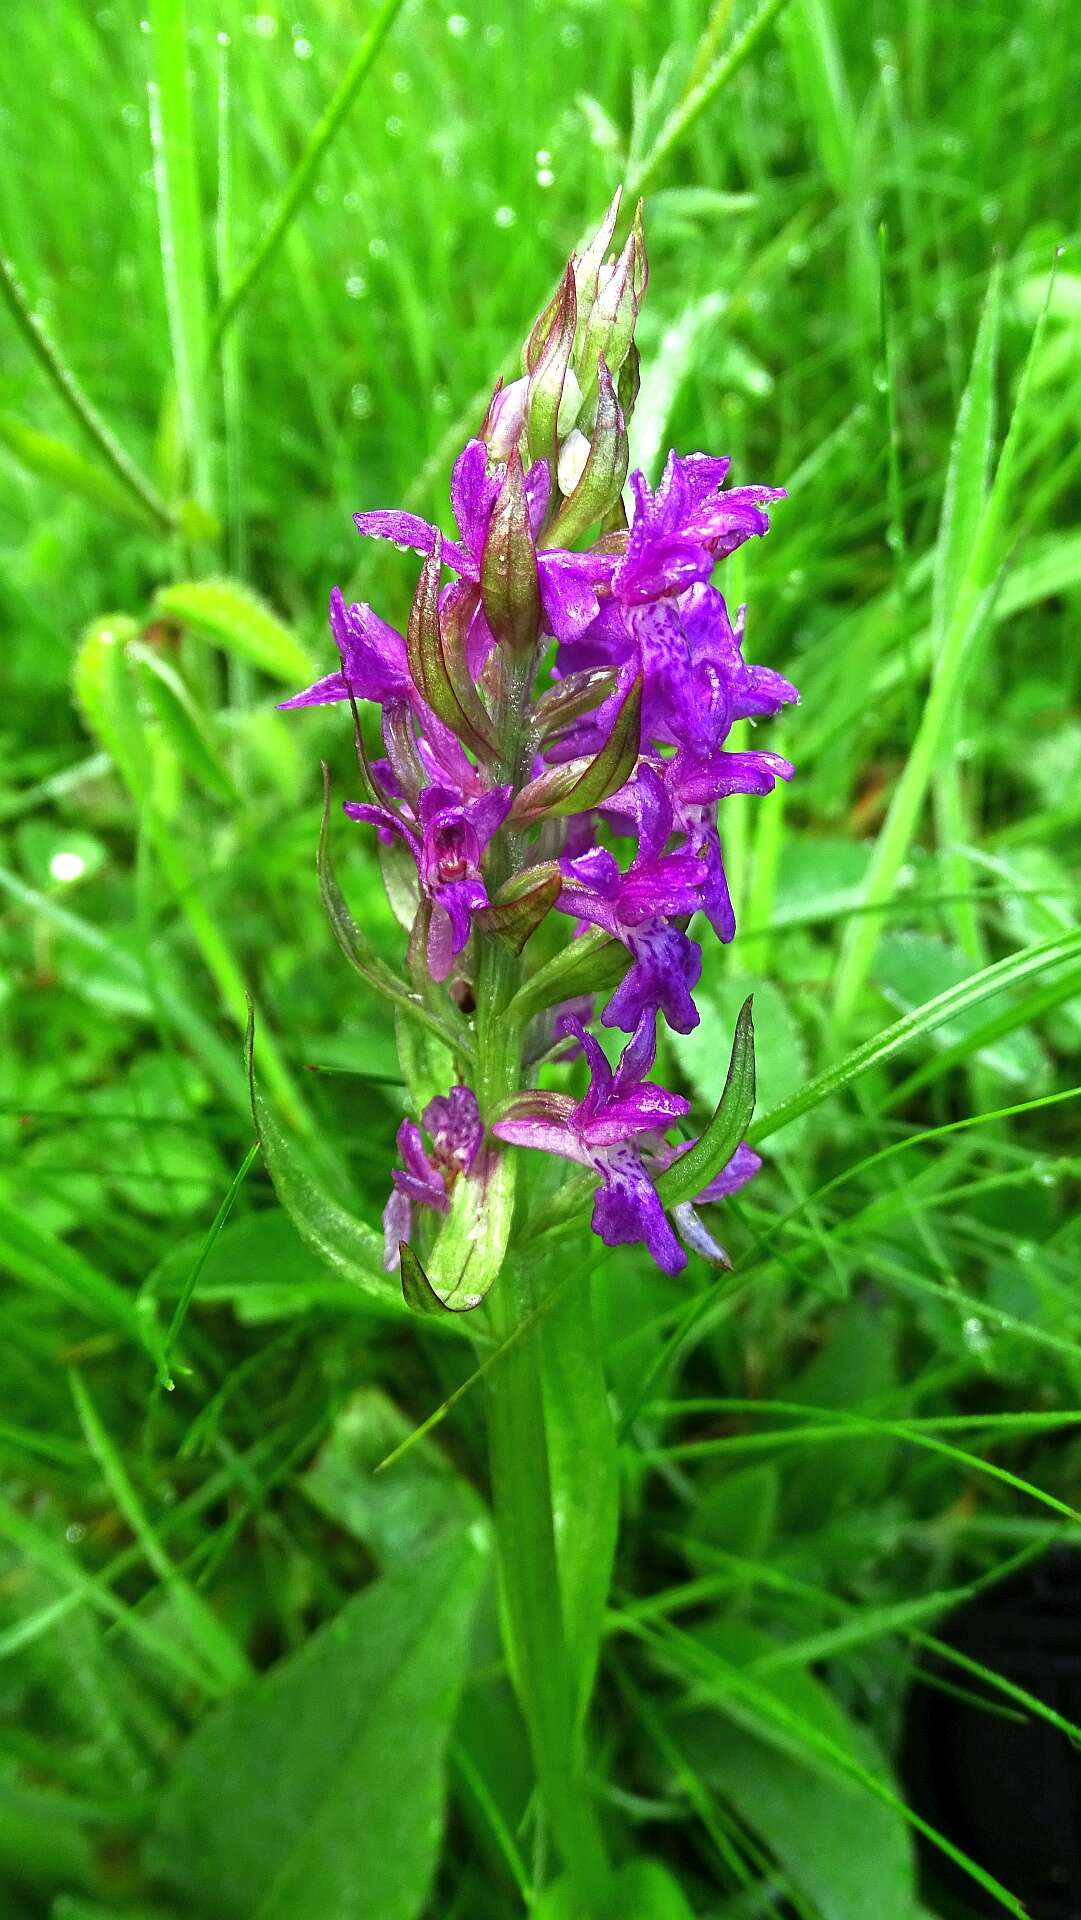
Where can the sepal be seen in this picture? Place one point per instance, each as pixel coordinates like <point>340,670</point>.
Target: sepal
<point>510,588</point>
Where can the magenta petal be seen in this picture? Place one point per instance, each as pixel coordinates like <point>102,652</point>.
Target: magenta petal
<point>408,530</point>
<point>440,944</point>
<point>333,686</point>
<point>627,1209</point>
<point>743,1166</point>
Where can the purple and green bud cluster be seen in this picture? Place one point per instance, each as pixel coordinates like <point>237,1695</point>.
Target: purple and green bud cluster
<point>569,690</point>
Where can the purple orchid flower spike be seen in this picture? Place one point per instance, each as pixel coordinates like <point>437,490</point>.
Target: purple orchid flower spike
<point>427,1176</point>
<point>635,908</point>
<point>448,853</point>
<point>567,581</point>
<point>598,1132</point>
<point>374,665</point>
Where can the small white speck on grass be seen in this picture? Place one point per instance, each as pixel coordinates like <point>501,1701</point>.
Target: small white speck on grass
<point>545,176</point>
<point>67,865</point>
<point>302,48</point>
<point>458,26</point>
<point>505,216</point>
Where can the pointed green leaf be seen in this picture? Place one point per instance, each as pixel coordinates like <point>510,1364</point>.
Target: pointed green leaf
<point>968,475</point>
<point>510,587</point>
<point>709,1155</point>
<point>443,682</point>
<point>603,474</point>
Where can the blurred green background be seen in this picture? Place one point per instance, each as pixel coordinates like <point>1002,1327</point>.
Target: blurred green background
<point>852,213</point>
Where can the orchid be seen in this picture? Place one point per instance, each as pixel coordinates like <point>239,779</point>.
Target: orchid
<point>569,676</point>
<point>556,718</point>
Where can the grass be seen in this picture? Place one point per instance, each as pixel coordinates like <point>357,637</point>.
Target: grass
<point>275,288</point>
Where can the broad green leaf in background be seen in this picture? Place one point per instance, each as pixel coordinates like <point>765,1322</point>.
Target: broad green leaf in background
<point>50,459</point>
<point>234,618</point>
<point>641,1890</point>
<point>319,1791</point>
<point>846,1853</point>
<point>400,1514</point>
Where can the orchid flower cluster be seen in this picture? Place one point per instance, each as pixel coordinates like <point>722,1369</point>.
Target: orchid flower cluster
<point>548,702</point>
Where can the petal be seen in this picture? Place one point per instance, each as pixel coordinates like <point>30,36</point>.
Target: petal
<point>456,1128</point>
<point>487,814</point>
<point>333,686</point>
<point>568,597</point>
<point>386,821</point>
<point>627,1209</point>
<point>397,1225</point>
<point>666,967</point>
<point>440,943</point>
<point>639,1053</point>
<point>726,773</point>
<point>659,888</point>
<point>458,901</point>
<point>408,530</point>
<point>473,494</point>
<point>538,486</point>
<point>743,1166</point>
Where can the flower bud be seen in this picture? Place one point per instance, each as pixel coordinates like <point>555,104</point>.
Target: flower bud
<point>509,586</point>
<point>548,357</point>
<point>603,473</point>
<point>505,419</point>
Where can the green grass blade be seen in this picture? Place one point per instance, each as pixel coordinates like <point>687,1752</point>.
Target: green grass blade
<point>1002,975</point>
<point>328,124</point>
<point>65,384</point>
<point>180,224</point>
<point>209,1638</point>
<point>698,97</point>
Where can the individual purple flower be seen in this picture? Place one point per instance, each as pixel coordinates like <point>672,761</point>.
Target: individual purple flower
<point>618,1130</point>
<point>680,532</point>
<point>693,788</point>
<point>635,908</point>
<point>427,1175</point>
<point>598,1131</point>
<point>568,581</point>
<point>374,665</point>
<point>448,851</point>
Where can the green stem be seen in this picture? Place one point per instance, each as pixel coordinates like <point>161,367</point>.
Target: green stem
<point>533,1615</point>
